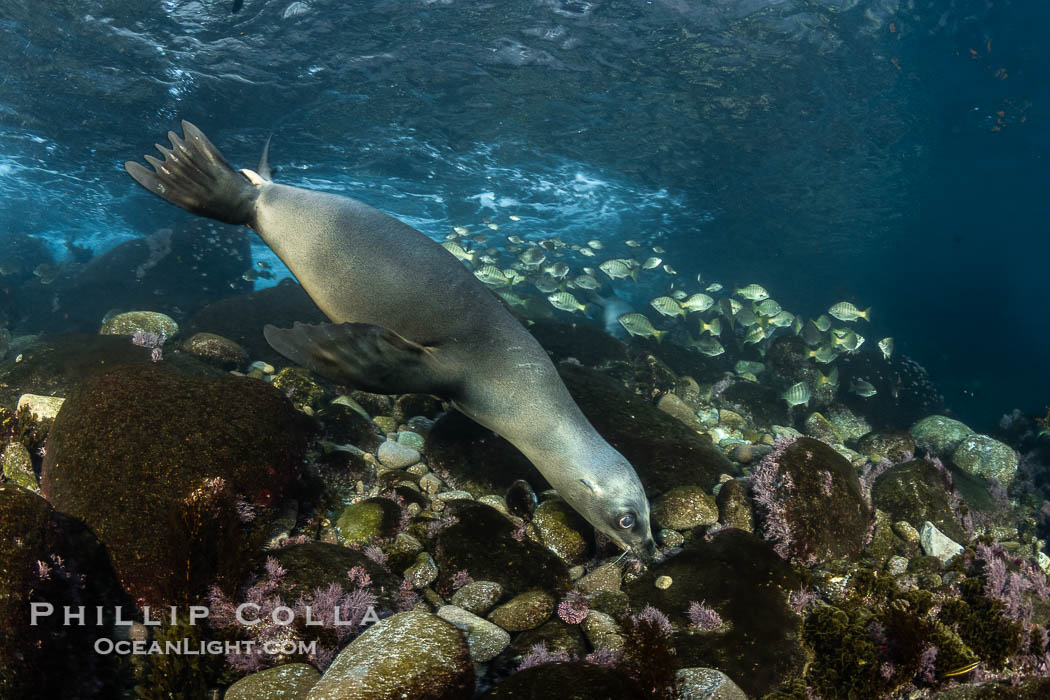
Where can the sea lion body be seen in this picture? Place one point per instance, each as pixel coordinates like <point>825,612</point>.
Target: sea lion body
<point>410,318</point>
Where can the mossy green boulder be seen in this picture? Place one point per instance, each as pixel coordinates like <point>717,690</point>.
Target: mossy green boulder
<point>410,655</point>
<point>174,473</point>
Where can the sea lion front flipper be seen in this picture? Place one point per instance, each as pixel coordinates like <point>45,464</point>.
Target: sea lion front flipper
<point>361,355</point>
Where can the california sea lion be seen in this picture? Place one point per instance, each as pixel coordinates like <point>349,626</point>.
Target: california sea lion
<point>409,318</point>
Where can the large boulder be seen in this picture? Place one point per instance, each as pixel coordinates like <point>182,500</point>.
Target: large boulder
<point>50,562</point>
<point>171,472</point>
<point>410,655</point>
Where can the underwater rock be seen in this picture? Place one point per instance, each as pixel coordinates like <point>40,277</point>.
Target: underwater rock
<point>367,521</point>
<point>982,456</point>
<point>603,633</point>
<point>896,446</point>
<point>746,454</point>
<point>566,680</point>
<point>606,577</point>
<point>411,439</point>
<point>132,322</point>
<point>292,680</point>
<point>674,406</point>
<point>412,654</point>
<point>563,530</point>
<point>315,565</point>
<point>741,577</point>
<point>17,466</point>
<point>394,455</point>
<point>345,426</point>
<point>914,492</point>
<point>487,545</point>
<point>939,434</point>
<point>817,426</point>
<point>904,391</point>
<point>734,506</point>
<point>242,318</point>
<point>478,597</point>
<point>524,611</point>
<point>847,423</point>
<point>812,503</point>
<point>300,386</point>
<point>554,635</point>
<point>485,639</point>
<point>167,485</point>
<point>408,406</point>
<point>481,461</point>
<point>423,571</point>
<point>216,350</point>
<point>935,543</point>
<point>664,452</point>
<point>54,365</point>
<point>759,403</point>
<point>170,271</point>
<point>581,342</point>
<point>40,408</point>
<point>46,558</point>
<point>705,684</point>
<point>684,507</point>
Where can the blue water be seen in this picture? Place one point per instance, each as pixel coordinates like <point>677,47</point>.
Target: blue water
<point>829,150</point>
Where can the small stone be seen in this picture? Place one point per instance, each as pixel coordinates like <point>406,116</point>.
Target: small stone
<point>818,426</point>
<point>418,469</point>
<point>361,523</point>
<point>485,639</point>
<point>897,565</point>
<point>935,543</point>
<point>734,506</point>
<point>284,681</point>
<point>262,367</point>
<point>731,419</point>
<point>134,321</point>
<point>577,572</point>
<point>17,466</point>
<point>1044,561</point>
<point>986,458</point>
<point>781,432</point>
<point>606,577</point>
<point>386,424</point>
<point>847,423</point>
<point>216,350</point>
<point>423,572</point>
<point>429,483</point>
<point>684,507</point>
<point>663,582</point>
<point>677,408</point>
<point>670,538</point>
<point>705,684</point>
<point>562,530</point>
<point>411,439</point>
<point>478,597</point>
<point>456,495</point>
<point>906,531</point>
<point>40,407</point>
<point>602,631</point>
<point>496,502</point>
<point>746,454</point>
<point>708,415</point>
<point>394,455</point>
<point>523,612</point>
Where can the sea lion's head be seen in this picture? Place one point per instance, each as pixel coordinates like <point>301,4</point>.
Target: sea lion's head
<point>614,502</point>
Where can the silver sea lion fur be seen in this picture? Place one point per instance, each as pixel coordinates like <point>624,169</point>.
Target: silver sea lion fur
<point>407,317</point>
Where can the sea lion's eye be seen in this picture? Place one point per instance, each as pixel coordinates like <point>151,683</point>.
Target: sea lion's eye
<point>627,521</point>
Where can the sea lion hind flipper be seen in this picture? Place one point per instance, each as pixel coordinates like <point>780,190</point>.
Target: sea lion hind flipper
<point>361,355</point>
<point>196,177</point>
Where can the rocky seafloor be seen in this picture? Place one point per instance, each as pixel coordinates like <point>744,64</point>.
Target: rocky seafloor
<point>850,548</point>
